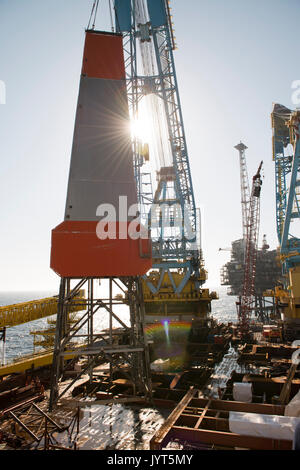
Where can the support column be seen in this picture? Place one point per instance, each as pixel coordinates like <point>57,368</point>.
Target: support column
<point>124,348</point>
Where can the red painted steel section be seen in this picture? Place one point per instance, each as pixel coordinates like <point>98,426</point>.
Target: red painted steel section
<point>103,56</point>
<point>78,252</point>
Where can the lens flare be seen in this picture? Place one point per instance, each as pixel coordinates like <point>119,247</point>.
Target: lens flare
<point>169,343</point>
<point>166,328</point>
<point>141,129</point>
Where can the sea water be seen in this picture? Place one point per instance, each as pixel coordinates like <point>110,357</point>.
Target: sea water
<point>114,426</point>
<point>19,341</point>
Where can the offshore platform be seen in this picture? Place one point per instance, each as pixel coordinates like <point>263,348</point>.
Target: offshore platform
<point>274,274</point>
<point>131,268</point>
<point>131,235</point>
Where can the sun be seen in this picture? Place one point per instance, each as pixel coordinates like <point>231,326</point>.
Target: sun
<point>141,126</point>
<point>141,129</point>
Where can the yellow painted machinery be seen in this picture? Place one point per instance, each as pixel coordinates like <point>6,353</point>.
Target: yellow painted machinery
<point>189,304</point>
<point>32,361</point>
<point>289,298</point>
<point>24,312</point>
<point>16,314</point>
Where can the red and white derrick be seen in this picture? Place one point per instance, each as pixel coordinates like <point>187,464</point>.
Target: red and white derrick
<point>250,253</point>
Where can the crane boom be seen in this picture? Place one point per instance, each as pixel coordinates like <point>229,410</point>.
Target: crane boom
<point>174,220</point>
<point>245,191</point>
<point>286,155</point>
<point>251,253</point>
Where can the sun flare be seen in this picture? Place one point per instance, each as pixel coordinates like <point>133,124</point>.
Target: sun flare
<point>141,128</point>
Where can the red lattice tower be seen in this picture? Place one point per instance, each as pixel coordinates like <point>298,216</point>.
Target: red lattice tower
<point>251,253</point>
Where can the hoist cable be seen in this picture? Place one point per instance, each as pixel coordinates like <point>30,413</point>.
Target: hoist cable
<point>93,12</point>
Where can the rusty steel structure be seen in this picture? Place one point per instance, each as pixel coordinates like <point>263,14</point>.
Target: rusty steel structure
<point>200,421</point>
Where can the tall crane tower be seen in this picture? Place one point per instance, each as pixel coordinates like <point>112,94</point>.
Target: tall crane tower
<point>266,270</point>
<point>173,289</point>
<point>251,253</point>
<point>286,155</point>
<point>245,191</point>
<point>250,222</point>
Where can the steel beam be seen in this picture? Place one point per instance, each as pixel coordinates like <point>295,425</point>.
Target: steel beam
<point>226,439</point>
<point>192,421</point>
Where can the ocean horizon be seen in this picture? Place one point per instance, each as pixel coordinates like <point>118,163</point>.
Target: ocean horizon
<point>19,341</point>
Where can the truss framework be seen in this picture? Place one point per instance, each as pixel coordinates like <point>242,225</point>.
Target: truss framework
<point>251,254</point>
<point>124,348</point>
<point>206,421</point>
<point>286,129</point>
<point>164,85</point>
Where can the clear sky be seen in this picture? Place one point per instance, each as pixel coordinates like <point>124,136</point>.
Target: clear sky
<point>235,58</point>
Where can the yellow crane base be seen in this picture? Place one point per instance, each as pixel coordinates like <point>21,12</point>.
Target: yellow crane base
<point>33,361</point>
<point>16,314</point>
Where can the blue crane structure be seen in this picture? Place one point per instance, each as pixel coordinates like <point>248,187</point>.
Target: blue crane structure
<point>286,155</point>
<point>170,212</point>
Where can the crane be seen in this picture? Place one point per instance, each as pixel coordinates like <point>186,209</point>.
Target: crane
<point>173,288</point>
<point>250,253</point>
<point>121,68</point>
<point>286,155</point>
<point>245,190</point>
<point>267,270</point>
